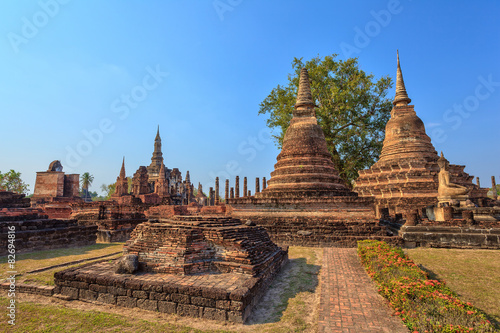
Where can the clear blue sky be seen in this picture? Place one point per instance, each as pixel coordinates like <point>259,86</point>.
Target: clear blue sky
<point>66,66</point>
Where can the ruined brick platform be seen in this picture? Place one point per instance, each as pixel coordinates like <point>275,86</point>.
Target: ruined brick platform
<point>460,236</point>
<point>207,267</point>
<point>115,222</point>
<point>194,244</point>
<point>34,231</point>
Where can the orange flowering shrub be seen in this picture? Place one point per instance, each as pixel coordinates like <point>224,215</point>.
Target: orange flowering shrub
<point>424,305</point>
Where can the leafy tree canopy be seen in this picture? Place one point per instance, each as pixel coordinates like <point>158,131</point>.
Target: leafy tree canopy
<point>11,181</point>
<point>352,110</point>
<point>108,190</point>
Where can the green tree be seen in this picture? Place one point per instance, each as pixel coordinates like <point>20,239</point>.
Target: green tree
<point>11,181</point>
<point>108,190</point>
<point>85,181</point>
<point>352,110</point>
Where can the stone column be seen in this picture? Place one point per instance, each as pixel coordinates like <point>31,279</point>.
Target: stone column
<point>237,187</point>
<point>216,191</point>
<point>264,183</point>
<point>245,187</point>
<point>477,182</point>
<point>257,185</point>
<point>226,194</point>
<point>494,187</point>
<point>249,193</point>
<point>211,196</point>
<point>232,193</point>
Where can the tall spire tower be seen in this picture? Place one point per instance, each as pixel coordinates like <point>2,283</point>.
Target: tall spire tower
<point>157,158</point>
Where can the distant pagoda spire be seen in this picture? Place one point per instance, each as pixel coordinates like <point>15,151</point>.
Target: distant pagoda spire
<point>122,171</point>
<point>401,97</point>
<point>157,158</point>
<point>304,107</point>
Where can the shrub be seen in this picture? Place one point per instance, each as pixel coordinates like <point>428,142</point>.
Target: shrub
<point>424,305</point>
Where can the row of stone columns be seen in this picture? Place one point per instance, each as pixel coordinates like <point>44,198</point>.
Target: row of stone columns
<point>230,192</point>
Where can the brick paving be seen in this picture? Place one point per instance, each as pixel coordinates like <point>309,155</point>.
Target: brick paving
<point>349,300</point>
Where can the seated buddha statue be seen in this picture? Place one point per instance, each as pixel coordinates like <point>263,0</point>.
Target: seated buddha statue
<point>447,188</point>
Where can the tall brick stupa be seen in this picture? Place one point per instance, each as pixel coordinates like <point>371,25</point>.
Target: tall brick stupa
<point>406,174</point>
<point>306,202</point>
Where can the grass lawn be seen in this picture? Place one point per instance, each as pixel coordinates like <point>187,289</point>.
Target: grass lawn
<point>31,261</point>
<point>290,305</point>
<point>473,274</point>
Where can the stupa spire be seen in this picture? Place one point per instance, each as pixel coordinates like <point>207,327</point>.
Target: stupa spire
<point>122,171</point>
<point>305,103</point>
<point>158,134</point>
<point>401,97</point>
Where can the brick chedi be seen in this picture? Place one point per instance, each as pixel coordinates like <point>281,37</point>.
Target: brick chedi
<point>191,244</point>
<point>406,174</point>
<point>305,201</point>
<point>121,187</point>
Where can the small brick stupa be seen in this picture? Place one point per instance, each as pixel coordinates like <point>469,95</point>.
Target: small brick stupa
<point>306,202</point>
<point>192,244</point>
<point>406,175</point>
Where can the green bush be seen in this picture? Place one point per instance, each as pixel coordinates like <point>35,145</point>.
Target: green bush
<point>424,305</point>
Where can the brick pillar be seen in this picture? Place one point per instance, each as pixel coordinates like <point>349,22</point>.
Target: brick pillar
<point>494,187</point>
<point>232,193</point>
<point>216,191</point>
<point>211,196</point>
<point>237,187</point>
<point>411,218</point>
<point>249,193</point>
<point>226,194</point>
<point>468,216</point>
<point>257,185</point>
<point>264,183</point>
<point>448,213</point>
<point>245,187</point>
<point>477,182</point>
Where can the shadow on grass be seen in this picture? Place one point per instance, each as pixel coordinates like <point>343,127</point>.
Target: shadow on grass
<point>434,276</point>
<point>287,297</point>
<point>55,253</point>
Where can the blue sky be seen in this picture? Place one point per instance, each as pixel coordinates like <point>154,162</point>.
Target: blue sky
<point>95,78</point>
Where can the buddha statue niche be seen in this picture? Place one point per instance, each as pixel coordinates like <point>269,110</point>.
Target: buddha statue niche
<point>446,189</point>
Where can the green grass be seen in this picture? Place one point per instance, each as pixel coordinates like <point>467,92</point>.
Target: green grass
<point>473,274</point>
<point>31,318</point>
<point>292,306</point>
<point>31,261</point>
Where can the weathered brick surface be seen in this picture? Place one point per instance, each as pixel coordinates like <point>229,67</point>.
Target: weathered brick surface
<point>223,296</point>
<point>195,244</point>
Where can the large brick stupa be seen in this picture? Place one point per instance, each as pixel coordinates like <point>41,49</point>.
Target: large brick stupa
<point>306,202</point>
<point>406,175</point>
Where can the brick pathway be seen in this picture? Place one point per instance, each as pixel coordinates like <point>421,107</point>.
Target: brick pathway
<point>349,301</point>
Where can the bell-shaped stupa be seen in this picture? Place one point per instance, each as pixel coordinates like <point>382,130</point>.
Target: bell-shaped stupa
<point>406,174</point>
<point>304,167</point>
